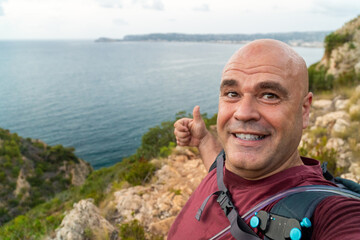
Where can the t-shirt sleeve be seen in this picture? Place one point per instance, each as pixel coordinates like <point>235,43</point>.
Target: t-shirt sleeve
<point>337,217</point>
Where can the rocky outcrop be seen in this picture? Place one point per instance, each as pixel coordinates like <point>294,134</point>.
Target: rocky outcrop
<point>32,172</point>
<point>346,56</point>
<point>154,205</point>
<point>157,204</point>
<point>85,222</point>
<point>76,172</point>
<point>22,185</point>
<point>335,127</point>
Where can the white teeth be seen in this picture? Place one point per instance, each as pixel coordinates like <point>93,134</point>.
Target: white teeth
<point>249,137</point>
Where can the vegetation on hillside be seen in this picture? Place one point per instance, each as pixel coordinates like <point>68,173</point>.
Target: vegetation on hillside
<point>44,218</point>
<point>347,38</point>
<point>320,80</point>
<point>317,138</point>
<point>334,40</point>
<point>38,167</point>
<point>180,37</point>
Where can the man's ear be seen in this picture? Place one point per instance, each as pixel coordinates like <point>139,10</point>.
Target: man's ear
<point>306,105</point>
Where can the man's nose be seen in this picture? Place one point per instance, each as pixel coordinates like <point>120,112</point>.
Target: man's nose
<point>247,109</point>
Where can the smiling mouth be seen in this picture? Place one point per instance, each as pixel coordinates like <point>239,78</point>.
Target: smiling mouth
<point>249,137</point>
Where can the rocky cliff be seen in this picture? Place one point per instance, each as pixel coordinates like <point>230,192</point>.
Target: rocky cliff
<point>342,50</point>
<point>153,206</point>
<point>31,172</point>
<point>334,135</point>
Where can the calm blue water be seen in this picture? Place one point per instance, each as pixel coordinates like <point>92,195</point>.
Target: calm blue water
<point>102,97</point>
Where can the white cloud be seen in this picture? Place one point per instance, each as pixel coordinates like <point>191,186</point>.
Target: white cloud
<point>1,8</point>
<point>150,4</point>
<point>32,19</point>
<point>120,22</point>
<point>202,8</point>
<point>336,8</point>
<point>110,3</point>
<point>129,4</point>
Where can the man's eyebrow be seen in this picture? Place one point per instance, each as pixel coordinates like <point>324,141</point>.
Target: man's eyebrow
<point>273,86</point>
<point>228,83</point>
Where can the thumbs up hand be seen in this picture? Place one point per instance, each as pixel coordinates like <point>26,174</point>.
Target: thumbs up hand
<point>190,132</point>
<point>193,133</point>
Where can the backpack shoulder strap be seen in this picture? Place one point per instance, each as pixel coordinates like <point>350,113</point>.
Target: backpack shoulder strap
<point>299,205</point>
<point>213,165</point>
<point>290,217</point>
<point>239,229</point>
<point>340,182</point>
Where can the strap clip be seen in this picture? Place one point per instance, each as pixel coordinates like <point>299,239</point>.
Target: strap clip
<point>225,202</point>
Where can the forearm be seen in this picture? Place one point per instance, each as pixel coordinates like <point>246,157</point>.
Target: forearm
<point>209,148</point>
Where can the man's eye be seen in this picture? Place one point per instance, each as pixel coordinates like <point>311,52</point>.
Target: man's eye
<point>270,96</point>
<point>232,94</point>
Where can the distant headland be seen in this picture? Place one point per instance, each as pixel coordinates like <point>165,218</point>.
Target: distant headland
<point>301,39</point>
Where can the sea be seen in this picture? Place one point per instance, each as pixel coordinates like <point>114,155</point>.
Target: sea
<point>102,97</point>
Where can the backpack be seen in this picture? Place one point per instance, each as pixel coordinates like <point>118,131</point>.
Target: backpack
<point>289,218</point>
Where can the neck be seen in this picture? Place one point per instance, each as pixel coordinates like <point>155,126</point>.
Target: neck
<point>257,174</point>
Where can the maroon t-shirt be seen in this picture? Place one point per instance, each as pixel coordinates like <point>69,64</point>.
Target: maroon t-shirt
<point>336,217</point>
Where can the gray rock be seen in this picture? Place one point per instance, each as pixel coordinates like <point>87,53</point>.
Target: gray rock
<point>331,118</point>
<point>322,104</point>
<point>340,126</point>
<point>341,104</point>
<point>85,217</point>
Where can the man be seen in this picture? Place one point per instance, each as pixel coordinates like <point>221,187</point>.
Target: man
<point>264,105</point>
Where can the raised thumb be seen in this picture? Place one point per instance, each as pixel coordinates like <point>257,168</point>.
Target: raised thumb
<point>196,114</point>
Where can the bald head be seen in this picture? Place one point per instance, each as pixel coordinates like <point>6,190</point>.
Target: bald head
<point>264,106</point>
<point>274,53</point>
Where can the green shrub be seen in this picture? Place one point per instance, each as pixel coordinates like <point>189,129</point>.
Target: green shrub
<point>88,233</point>
<point>210,121</point>
<point>15,171</point>
<point>166,151</point>
<point>334,40</point>
<point>23,227</point>
<point>13,203</point>
<point>3,211</point>
<point>140,173</point>
<point>322,154</point>
<point>2,176</point>
<point>59,153</point>
<point>355,116</point>
<point>156,142</point>
<point>175,191</point>
<point>318,80</point>
<point>318,132</point>
<point>349,78</point>
<point>156,138</point>
<point>132,231</point>
<point>35,181</point>
<point>352,46</point>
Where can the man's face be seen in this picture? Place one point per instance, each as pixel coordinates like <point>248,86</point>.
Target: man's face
<point>262,111</point>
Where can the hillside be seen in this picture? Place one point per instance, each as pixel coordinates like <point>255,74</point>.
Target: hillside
<point>340,65</point>
<point>306,39</point>
<point>32,172</point>
<point>140,197</point>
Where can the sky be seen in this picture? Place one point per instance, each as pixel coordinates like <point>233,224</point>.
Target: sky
<point>91,19</point>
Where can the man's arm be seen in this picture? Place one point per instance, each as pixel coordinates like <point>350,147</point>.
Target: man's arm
<point>193,133</point>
